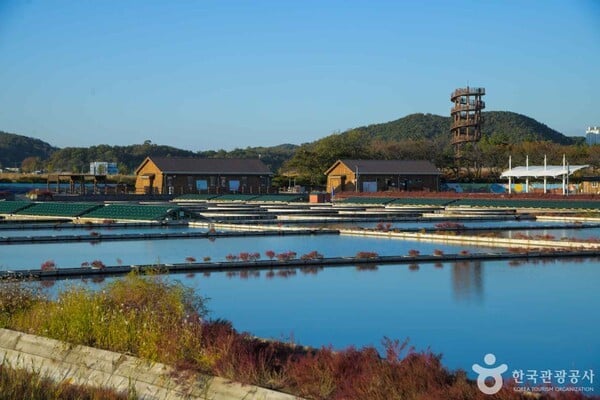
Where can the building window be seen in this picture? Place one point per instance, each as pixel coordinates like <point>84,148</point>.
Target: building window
<point>201,184</point>
<point>234,185</point>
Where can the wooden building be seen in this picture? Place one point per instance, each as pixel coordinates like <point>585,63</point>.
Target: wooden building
<point>170,175</point>
<point>590,185</point>
<point>382,175</point>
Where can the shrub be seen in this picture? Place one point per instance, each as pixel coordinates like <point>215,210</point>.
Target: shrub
<point>438,252</point>
<point>145,316</point>
<point>48,265</point>
<point>449,225</point>
<point>413,252</point>
<point>366,254</point>
<point>270,254</point>
<point>313,255</point>
<point>97,264</point>
<point>286,256</point>
<point>17,298</point>
<point>190,260</point>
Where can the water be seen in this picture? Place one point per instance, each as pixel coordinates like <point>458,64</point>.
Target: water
<point>31,256</point>
<point>83,230</point>
<point>540,316</point>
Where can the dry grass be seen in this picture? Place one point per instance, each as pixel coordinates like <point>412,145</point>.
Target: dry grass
<point>19,384</point>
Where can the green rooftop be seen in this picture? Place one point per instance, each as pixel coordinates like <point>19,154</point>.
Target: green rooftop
<point>195,197</point>
<point>58,209</point>
<point>11,207</point>
<point>367,200</point>
<point>135,212</point>
<point>236,197</point>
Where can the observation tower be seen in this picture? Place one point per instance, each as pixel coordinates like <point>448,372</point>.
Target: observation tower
<point>466,117</point>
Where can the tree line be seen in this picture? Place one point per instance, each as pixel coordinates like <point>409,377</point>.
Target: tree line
<point>415,136</point>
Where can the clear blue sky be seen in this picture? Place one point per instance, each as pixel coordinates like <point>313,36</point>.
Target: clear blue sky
<point>223,74</point>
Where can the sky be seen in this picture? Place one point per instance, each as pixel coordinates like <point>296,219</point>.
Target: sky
<point>208,75</point>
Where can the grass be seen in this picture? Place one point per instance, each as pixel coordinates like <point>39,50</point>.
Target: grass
<point>152,318</point>
<point>20,384</point>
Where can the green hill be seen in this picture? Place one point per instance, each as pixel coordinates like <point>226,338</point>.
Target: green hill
<point>502,126</point>
<point>15,148</point>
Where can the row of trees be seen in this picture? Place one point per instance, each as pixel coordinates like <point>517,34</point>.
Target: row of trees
<point>308,162</point>
<point>485,161</point>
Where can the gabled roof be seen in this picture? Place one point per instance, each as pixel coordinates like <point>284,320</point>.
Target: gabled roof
<point>208,166</point>
<point>381,167</point>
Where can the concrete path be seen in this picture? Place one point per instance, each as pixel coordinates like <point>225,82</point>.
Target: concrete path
<point>100,368</point>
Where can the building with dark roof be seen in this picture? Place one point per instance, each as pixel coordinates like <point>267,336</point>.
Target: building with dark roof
<point>171,175</point>
<point>382,175</point>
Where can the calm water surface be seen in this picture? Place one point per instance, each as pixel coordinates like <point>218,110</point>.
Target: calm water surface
<point>532,316</point>
<point>31,256</point>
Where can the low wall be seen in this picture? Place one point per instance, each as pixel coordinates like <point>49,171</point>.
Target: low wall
<point>475,240</point>
<point>100,368</point>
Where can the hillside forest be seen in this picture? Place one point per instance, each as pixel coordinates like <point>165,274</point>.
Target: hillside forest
<point>416,136</point>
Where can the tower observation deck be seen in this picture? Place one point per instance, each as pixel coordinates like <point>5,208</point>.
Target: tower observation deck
<point>466,117</point>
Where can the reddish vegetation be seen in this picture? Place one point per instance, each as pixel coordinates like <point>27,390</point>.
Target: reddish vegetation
<point>231,257</point>
<point>449,225</point>
<point>286,256</point>
<point>270,254</point>
<point>402,373</point>
<point>48,265</point>
<point>383,226</point>
<point>97,264</point>
<point>366,254</point>
<point>413,252</point>
<point>313,255</point>
<point>190,260</point>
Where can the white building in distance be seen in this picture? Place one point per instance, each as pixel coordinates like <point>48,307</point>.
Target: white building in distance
<point>103,168</point>
<point>592,135</point>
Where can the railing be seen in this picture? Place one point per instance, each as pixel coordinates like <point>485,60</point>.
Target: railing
<point>472,106</point>
<point>468,91</point>
<point>462,138</point>
<point>465,122</point>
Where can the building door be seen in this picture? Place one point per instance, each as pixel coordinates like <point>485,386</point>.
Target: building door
<point>369,186</point>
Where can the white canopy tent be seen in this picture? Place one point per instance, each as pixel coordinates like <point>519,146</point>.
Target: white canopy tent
<point>540,171</point>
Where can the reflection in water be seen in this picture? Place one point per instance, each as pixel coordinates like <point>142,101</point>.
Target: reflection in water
<point>467,281</point>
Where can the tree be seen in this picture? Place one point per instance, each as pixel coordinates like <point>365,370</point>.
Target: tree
<point>31,164</point>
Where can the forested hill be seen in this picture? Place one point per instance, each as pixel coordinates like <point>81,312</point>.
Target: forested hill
<point>15,148</point>
<point>499,126</point>
<point>410,136</point>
